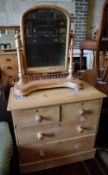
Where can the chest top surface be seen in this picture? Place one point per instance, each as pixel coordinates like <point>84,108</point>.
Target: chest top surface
<point>53,97</point>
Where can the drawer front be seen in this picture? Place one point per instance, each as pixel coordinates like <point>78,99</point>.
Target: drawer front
<point>49,133</point>
<point>9,64</point>
<point>36,116</point>
<point>31,153</point>
<point>80,111</point>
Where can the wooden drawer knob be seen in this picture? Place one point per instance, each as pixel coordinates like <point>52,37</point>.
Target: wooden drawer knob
<point>80,129</point>
<point>9,67</point>
<point>40,136</point>
<point>38,118</point>
<point>8,59</point>
<point>82,112</point>
<point>42,153</point>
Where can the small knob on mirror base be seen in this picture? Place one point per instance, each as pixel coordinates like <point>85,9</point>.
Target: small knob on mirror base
<point>38,118</point>
<point>40,136</point>
<point>80,129</point>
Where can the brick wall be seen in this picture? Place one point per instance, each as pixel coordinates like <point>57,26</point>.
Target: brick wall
<point>80,21</point>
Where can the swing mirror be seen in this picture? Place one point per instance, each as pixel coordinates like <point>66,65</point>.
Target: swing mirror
<point>45,31</point>
<point>46,41</point>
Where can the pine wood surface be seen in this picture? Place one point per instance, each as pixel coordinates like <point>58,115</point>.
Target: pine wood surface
<point>88,167</point>
<point>22,89</point>
<point>53,97</point>
<point>35,141</point>
<point>55,132</point>
<point>52,114</point>
<point>51,150</point>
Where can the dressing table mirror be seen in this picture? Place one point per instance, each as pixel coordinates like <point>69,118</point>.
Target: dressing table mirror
<point>44,46</point>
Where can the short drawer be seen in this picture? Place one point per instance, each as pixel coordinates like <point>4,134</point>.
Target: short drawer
<point>9,64</point>
<point>49,133</point>
<point>36,116</point>
<point>6,59</point>
<point>80,111</point>
<point>31,153</point>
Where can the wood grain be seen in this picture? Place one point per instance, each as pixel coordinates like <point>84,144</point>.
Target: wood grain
<point>61,136</point>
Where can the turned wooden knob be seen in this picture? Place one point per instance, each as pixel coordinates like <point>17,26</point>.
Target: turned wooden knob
<point>40,136</point>
<point>80,129</point>
<point>82,112</point>
<point>38,118</point>
<point>42,153</point>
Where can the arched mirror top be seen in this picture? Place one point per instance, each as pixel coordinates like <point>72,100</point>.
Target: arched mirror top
<point>45,31</point>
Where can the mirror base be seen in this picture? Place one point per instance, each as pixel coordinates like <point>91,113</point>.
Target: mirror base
<point>24,89</point>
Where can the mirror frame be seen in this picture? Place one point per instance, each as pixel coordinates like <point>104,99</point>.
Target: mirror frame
<point>46,69</point>
<point>48,79</point>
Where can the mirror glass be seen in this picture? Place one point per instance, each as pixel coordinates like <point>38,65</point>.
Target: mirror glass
<point>44,35</point>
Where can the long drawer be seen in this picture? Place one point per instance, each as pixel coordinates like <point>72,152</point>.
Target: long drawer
<point>32,152</point>
<point>49,133</point>
<point>55,162</point>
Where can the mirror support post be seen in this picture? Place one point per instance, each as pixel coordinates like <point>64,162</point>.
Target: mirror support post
<point>20,70</point>
<point>19,59</point>
<point>71,66</point>
<point>75,83</point>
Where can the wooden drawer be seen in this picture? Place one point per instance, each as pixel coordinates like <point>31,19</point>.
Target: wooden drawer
<point>8,58</point>
<point>9,64</point>
<point>32,152</point>
<point>80,111</point>
<point>53,132</point>
<point>36,116</point>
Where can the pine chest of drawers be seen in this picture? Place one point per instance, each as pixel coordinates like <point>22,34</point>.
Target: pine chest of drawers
<point>55,127</point>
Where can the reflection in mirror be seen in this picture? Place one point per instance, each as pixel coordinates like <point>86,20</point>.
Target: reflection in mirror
<point>45,38</point>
